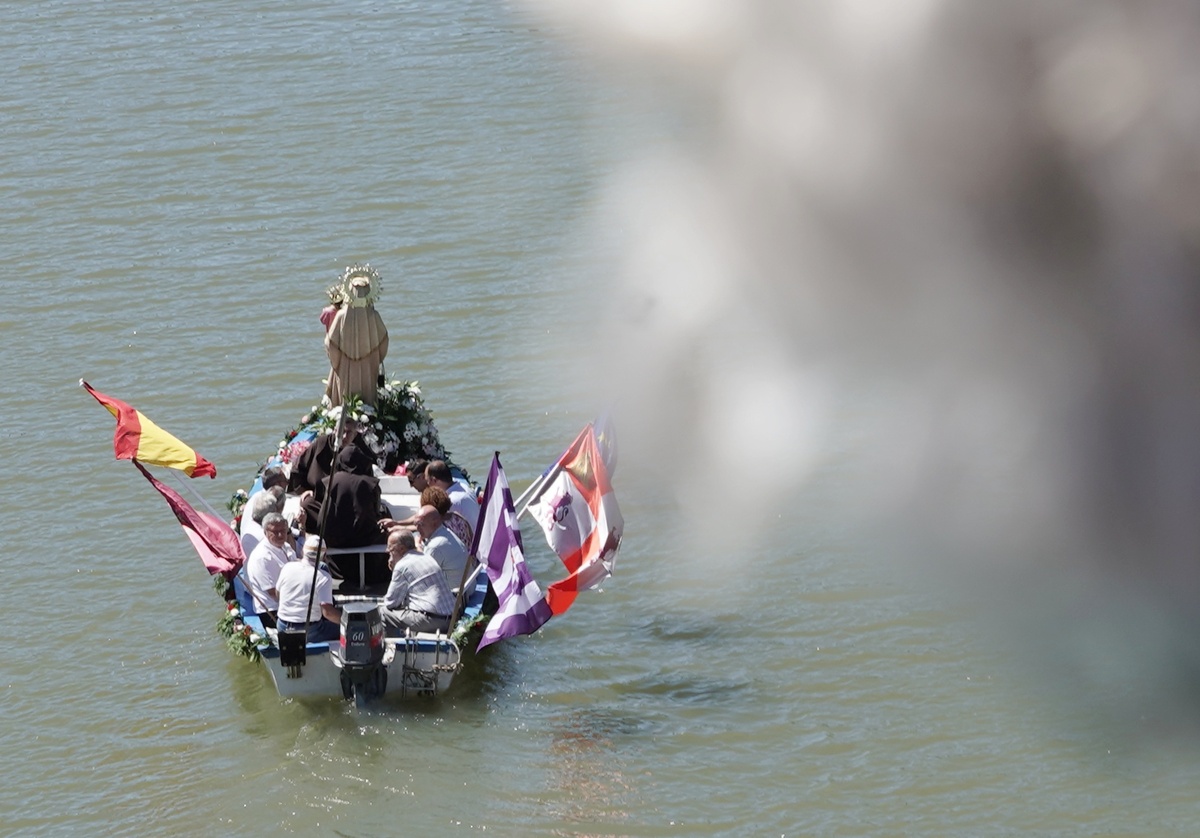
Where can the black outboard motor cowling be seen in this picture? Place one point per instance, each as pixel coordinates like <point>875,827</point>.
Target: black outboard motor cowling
<point>360,651</point>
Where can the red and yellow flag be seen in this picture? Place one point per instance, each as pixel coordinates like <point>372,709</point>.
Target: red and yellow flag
<point>137,438</point>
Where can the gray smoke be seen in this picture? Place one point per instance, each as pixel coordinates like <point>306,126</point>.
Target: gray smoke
<point>959,240</point>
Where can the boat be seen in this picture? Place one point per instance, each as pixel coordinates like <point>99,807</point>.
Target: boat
<point>364,665</point>
<point>395,428</point>
<point>579,515</point>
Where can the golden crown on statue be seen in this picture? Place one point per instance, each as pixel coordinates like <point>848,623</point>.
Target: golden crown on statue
<point>343,291</point>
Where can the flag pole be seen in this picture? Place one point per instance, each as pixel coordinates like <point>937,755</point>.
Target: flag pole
<point>539,486</point>
<point>323,517</point>
<point>460,597</point>
<point>195,494</point>
<point>530,496</point>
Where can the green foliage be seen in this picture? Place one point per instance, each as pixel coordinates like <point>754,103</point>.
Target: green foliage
<point>239,637</point>
<point>464,629</point>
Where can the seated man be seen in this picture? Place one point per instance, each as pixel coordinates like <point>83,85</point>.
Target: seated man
<point>311,470</point>
<point>265,562</point>
<point>415,469</point>
<point>353,505</point>
<point>442,546</point>
<point>439,500</point>
<point>462,499</point>
<point>294,585</point>
<point>260,504</point>
<point>418,597</point>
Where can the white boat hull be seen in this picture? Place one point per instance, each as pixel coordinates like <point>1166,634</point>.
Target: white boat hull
<point>423,665</point>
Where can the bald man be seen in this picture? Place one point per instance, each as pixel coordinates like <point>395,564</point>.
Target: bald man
<point>441,545</point>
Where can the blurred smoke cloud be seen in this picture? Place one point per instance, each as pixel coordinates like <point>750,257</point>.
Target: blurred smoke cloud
<point>961,237</point>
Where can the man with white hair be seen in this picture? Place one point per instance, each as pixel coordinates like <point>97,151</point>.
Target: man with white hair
<point>266,560</point>
<point>294,586</point>
<point>266,500</point>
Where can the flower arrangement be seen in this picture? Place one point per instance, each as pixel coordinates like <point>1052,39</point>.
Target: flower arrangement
<point>239,637</point>
<point>237,502</point>
<point>397,429</point>
<point>463,630</point>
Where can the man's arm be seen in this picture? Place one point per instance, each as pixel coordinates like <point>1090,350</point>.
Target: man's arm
<point>331,612</point>
<point>397,592</point>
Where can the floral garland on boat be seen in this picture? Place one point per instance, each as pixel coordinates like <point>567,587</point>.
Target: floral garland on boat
<point>239,637</point>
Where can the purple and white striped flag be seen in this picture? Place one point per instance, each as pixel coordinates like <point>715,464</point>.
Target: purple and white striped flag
<point>497,544</point>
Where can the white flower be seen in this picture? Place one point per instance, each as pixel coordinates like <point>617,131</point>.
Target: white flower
<point>254,638</point>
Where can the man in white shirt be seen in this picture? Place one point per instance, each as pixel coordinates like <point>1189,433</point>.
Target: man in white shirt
<point>462,499</point>
<point>265,562</point>
<point>294,586</point>
<point>267,499</point>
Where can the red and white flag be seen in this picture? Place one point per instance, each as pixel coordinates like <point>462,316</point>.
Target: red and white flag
<point>579,514</point>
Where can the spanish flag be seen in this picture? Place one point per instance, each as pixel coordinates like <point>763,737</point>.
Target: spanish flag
<point>137,438</point>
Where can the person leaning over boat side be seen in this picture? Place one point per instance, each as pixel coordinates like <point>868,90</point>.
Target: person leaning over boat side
<point>265,562</point>
<point>418,597</point>
<point>462,500</point>
<point>442,546</point>
<point>310,472</point>
<point>293,586</point>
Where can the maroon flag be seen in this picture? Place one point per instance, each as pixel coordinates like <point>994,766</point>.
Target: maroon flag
<point>214,541</point>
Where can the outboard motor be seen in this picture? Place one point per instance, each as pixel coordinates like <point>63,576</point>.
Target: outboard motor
<point>360,652</point>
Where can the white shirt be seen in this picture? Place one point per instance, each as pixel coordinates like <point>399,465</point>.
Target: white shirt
<point>252,532</point>
<point>462,501</point>
<point>294,583</point>
<point>262,571</point>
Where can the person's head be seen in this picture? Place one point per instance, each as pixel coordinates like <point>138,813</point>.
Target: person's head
<point>437,498</point>
<point>437,473</point>
<point>275,527</point>
<point>266,502</point>
<point>349,430</point>
<point>399,543</point>
<point>351,459</point>
<point>427,520</point>
<point>274,476</point>
<point>314,549</point>
<point>416,474</point>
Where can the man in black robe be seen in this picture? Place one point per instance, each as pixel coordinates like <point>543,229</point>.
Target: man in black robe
<point>311,470</point>
<point>353,506</point>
